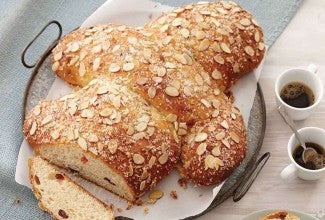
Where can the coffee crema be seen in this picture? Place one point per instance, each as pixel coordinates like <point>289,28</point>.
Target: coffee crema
<point>315,163</point>
<point>297,94</point>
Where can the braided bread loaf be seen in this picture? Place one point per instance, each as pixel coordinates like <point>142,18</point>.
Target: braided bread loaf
<point>182,64</point>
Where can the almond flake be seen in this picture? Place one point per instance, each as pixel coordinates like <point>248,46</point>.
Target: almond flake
<point>187,91</point>
<point>180,58</point>
<point>182,132</point>
<point>205,103</point>
<point>166,40</point>
<point>55,134</point>
<point>257,36</point>
<point>82,69</point>
<point>46,120</point>
<point>201,149</point>
<point>33,128</point>
<point>130,130</point>
<point>157,79</point>
<point>225,48</point>
<point>132,40</point>
<point>157,194</point>
<point>152,161</point>
<point>142,81</point>
<point>211,162</point>
<point>128,66</point>
<point>164,28</point>
<point>82,143</point>
<point>233,116</point>
<point>200,35</point>
<point>57,56</point>
<point>152,92</point>
<point>219,59</point>
<point>138,159</point>
<point>249,50</point>
<point>215,113</point>
<point>224,124</point>
<point>171,117</point>
<point>261,46</point>
<point>37,110</point>
<point>171,91</point>
<point>176,83</point>
<point>131,171</point>
<point>102,90</point>
<point>112,147</point>
<point>141,126</point>
<point>201,137</point>
<point>216,92</point>
<point>239,26</point>
<point>116,48</point>
<point>255,22</point>
<point>215,47</point>
<point>97,49</point>
<point>177,22</point>
<point>161,20</point>
<point>220,136</point>
<point>198,79</point>
<point>185,32</point>
<point>70,135</point>
<point>55,66</point>
<point>188,59</point>
<point>245,22</point>
<point>219,162</point>
<point>96,64</point>
<point>226,143</point>
<point>216,151</point>
<point>235,137</point>
<point>216,74</point>
<point>92,138</point>
<point>204,45</point>
<point>151,131</point>
<point>74,60</point>
<point>215,103</point>
<point>76,133</point>
<point>74,47</point>
<point>113,68</point>
<point>163,158</point>
<point>170,65</point>
<point>142,185</point>
<point>86,113</point>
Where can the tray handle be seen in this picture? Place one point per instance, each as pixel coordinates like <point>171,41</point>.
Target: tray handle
<point>23,60</point>
<point>248,180</point>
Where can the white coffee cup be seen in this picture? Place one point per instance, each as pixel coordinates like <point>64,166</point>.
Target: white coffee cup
<point>308,77</point>
<point>309,134</point>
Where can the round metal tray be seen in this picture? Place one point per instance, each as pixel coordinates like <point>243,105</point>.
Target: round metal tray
<point>42,78</point>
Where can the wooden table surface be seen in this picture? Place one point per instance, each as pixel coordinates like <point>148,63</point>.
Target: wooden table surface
<point>301,43</point>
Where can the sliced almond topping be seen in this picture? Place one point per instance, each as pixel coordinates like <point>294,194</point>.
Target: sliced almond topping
<point>249,50</point>
<point>171,117</point>
<point>151,130</point>
<point>46,120</point>
<point>106,112</point>
<point>188,59</point>
<point>211,162</point>
<point>201,137</point>
<point>96,64</point>
<point>128,66</point>
<point>131,171</point>
<point>171,91</point>
<point>215,47</point>
<point>116,48</point>
<point>142,81</point>
<point>70,135</point>
<point>37,110</point>
<point>82,143</point>
<point>102,90</point>
<point>204,45</point>
<point>185,32</point>
<point>187,91</point>
<point>220,136</point>
<point>198,79</point>
<point>141,126</point>
<point>177,22</point>
<point>152,161</point>
<point>219,59</point>
<point>176,83</point>
<point>121,28</point>
<point>97,49</point>
<point>55,134</point>
<point>112,147</point>
<point>76,133</point>
<point>166,40</point>
<point>92,138</point>
<point>33,128</point>
<point>206,103</point>
<point>200,35</point>
<point>142,185</point>
<point>235,137</point>
<point>224,124</point>
<point>182,132</point>
<point>55,66</point>
<point>245,22</point>
<point>113,68</point>
<point>152,92</point>
<point>215,103</point>
<point>233,116</point>
<point>226,143</point>
<point>156,194</point>
<point>201,149</point>
<point>82,69</point>
<point>138,159</point>
<point>170,65</point>
<point>57,56</point>
<point>132,40</point>
<point>74,47</point>
<point>216,74</point>
<point>216,92</point>
<point>87,113</point>
<point>157,79</point>
<point>180,58</point>
<point>215,113</point>
<point>84,105</point>
<point>219,162</point>
<point>261,46</point>
<point>164,28</point>
<point>161,20</point>
<point>163,158</point>
<point>257,36</point>
<point>130,130</point>
<point>255,22</point>
<point>216,151</point>
<point>225,48</point>
<point>144,175</point>
<point>239,26</point>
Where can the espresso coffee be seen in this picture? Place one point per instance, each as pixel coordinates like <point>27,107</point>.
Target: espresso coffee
<point>315,163</point>
<point>297,94</point>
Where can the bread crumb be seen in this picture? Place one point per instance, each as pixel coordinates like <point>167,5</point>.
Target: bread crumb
<point>130,205</point>
<point>111,206</point>
<point>173,194</point>
<point>146,210</point>
<point>119,210</point>
<point>183,183</point>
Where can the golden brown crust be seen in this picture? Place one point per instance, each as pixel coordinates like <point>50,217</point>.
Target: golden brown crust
<point>113,124</point>
<point>182,64</point>
<point>280,215</point>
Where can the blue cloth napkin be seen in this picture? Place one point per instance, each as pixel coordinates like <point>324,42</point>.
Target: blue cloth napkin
<point>20,21</point>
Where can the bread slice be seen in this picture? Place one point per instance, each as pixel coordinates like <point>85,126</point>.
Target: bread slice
<point>61,197</point>
<point>280,215</point>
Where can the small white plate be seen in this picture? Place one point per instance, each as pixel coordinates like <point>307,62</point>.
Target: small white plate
<point>257,215</point>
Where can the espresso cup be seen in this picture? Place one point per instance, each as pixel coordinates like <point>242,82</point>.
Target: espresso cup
<point>307,77</point>
<point>309,134</point>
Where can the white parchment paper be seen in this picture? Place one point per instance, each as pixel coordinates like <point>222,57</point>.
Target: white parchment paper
<point>192,200</point>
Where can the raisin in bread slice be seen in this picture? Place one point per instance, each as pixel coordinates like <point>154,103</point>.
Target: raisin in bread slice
<point>61,197</point>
